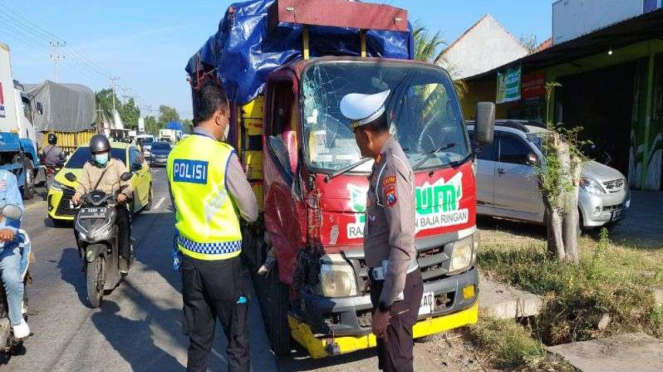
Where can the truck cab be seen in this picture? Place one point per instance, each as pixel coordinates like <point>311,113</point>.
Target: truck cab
<point>311,182</point>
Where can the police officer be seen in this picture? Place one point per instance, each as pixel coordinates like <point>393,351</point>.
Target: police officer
<point>396,285</point>
<point>210,193</point>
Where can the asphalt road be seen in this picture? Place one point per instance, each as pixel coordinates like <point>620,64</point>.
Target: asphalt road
<point>138,327</point>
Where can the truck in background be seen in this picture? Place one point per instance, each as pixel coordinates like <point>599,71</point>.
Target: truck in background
<point>18,150</point>
<point>170,135</point>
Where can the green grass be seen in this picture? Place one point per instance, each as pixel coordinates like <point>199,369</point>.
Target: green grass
<point>509,346</point>
<point>612,279</point>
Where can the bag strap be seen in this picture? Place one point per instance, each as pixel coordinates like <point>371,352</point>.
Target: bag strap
<point>100,178</point>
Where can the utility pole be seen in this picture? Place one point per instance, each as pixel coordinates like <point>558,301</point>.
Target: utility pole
<point>56,57</point>
<point>125,94</point>
<point>113,83</point>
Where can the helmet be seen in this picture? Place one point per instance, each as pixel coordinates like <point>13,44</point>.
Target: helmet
<point>99,143</point>
<point>52,139</point>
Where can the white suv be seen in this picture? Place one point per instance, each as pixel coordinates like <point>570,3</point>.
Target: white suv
<point>508,184</point>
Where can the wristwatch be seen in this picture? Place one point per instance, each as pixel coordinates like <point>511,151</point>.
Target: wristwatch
<point>383,307</point>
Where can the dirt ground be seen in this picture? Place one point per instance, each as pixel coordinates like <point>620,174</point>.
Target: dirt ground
<point>449,352</point>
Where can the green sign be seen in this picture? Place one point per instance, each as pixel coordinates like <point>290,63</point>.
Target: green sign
<point>508,85</point>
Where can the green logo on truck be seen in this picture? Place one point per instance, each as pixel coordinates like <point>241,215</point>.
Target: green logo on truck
<point>438,205</point>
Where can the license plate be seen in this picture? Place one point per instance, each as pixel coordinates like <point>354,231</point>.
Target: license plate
<point>93,213</point>
<point>427,303</point>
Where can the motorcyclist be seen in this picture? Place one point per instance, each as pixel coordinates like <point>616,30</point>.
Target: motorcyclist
<point>11,259</point>
<point>103,173</point>
<point>52,157</point>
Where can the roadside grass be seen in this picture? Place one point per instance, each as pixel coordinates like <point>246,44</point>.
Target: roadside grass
<point>510,346</point>
<point>609,287</point>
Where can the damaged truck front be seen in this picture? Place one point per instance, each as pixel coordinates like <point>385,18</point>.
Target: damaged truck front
<point>311,181</point>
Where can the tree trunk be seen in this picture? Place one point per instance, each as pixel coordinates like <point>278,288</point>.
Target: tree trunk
<point>571,216</point>
<point>555,238</point>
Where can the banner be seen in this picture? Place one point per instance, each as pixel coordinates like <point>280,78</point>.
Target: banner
<point>508,85</point>
<point>2,103</point>
<point>534,85</point>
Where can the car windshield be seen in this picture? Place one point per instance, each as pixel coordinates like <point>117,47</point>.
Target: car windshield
<point>422,108</point>
<point>161,146</point>
<point>82,155</point>
<point>145,140</point>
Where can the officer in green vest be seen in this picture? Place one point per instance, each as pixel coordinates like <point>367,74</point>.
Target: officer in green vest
<point>210,193</point>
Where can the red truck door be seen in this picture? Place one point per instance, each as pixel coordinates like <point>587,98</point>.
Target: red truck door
<point>284,209</point>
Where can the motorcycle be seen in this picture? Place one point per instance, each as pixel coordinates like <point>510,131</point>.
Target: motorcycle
<point>97,237</point>
<point>51,171</point>
<point>8,343</point>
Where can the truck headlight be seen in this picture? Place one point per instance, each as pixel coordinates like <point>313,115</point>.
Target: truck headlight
<point>462,255</point>
<point>591,186</point>
<point>337,278</point>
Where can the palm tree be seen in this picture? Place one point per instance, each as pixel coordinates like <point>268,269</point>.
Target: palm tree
<point>430,48</point>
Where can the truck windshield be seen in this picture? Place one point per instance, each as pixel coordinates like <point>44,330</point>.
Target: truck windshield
<point>422,109</point>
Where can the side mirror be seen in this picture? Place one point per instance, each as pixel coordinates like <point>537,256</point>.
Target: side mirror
<point>70,177</point>
<point>135,167</point>
<point>484,131</point>
<point>126,176</point>
<point>12,212</point>
<point>40,108</point>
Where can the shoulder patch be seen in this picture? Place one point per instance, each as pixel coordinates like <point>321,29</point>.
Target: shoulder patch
<point>390,196</point>
<point>390,180</point>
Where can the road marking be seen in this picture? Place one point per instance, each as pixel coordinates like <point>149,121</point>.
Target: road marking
<point>32,206</point>
<point>160,202</point>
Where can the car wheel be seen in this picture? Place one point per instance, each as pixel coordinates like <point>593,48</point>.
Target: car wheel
<point>148,206</point>
<point>59,223</point>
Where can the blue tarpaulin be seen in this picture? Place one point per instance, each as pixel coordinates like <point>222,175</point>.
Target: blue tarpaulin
<point>243,51</point>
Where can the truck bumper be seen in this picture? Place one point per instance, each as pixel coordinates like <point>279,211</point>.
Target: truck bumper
<point>342,325</point>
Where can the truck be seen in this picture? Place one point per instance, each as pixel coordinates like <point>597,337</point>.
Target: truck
<point>170,135</point>
<point>67,110</point>
<point>306,252</point>
<point>18,150</point>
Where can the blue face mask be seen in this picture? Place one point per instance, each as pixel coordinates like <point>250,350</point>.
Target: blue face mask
<point>101,159</point>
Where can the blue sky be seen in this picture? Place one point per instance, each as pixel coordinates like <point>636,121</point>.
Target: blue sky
<point>148,42</point>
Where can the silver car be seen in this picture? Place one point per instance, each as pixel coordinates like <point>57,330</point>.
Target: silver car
<point>508,183</point>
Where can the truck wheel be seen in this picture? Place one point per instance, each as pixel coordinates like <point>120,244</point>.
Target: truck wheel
<point>277,314</point>
<point>94,274</point>
<point>28,189</point>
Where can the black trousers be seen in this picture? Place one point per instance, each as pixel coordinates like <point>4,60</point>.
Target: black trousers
<point>124,230</point>
<point>212,289</point>
<point>395,353</point>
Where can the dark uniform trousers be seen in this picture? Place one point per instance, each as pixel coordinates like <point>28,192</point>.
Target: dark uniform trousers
<point>395,353</point>
<point>211,289</point>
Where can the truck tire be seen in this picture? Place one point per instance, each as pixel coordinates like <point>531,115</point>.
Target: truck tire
<point>277,308</point>
<point>28,189</point>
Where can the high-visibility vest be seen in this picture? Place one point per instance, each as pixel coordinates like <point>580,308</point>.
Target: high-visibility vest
<point>206,220</point>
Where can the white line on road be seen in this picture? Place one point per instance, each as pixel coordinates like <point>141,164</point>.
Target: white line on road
<point>163,198</point>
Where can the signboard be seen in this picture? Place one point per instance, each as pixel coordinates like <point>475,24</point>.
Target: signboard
<point>2,103</point>
<point>534,85</point>
<point>508,85</point>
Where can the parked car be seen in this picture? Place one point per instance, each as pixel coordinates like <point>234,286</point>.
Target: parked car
<point>160,152</point>
<point>145,142</point>
<point>60,207</point>
<point>508,182</point>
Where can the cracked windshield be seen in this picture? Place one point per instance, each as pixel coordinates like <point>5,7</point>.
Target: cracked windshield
<point>422,110</point>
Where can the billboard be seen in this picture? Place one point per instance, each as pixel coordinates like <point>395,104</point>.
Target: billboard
<point>575,18</point>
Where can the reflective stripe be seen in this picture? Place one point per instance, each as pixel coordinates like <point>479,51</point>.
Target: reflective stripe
<point>210,248</point>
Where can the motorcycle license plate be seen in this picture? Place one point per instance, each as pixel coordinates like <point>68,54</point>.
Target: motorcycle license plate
<point>427,303</point>
<point>92,213</point>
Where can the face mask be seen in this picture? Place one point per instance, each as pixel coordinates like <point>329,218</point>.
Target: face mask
<point>101,159</point>
<point>226,132</point>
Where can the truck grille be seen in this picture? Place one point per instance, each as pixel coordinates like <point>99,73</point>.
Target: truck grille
<point>614,186</point>
<point>63,207</point>
<point>433,263</point>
